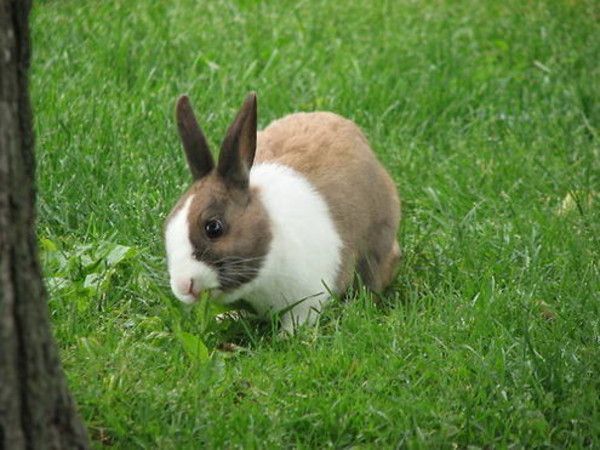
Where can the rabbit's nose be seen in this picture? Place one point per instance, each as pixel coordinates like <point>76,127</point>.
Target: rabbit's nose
<point>193,290</point>
<point>186,286</point>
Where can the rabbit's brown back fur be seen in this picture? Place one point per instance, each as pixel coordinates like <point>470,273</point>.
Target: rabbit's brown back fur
<point>334,155</point>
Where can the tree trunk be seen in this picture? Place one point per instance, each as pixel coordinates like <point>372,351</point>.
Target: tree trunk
<point>36,409</point>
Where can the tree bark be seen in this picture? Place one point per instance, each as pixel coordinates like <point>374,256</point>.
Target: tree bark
<point>36,409</point>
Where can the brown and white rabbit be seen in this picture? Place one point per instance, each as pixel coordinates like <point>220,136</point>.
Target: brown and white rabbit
<point>284,218</point>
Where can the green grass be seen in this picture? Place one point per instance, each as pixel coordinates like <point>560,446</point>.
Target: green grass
<point>487,115</point>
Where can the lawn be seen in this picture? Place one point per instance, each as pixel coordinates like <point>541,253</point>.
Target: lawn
<point>487,115</point>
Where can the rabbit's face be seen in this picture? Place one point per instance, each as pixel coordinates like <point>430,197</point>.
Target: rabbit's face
<point>217,238</point>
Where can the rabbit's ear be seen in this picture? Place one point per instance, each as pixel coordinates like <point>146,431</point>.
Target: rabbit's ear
<point>239,145</point>
<point>194,143</point>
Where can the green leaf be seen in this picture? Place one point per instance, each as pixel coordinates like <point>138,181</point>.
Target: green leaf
<point>119,253</point>
<point>56,283</point>
<point>93,281</point>
<point>47,245</point>
<point>194,346</point>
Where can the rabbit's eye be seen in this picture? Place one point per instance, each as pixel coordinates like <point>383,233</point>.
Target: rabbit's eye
<point>213,228</point>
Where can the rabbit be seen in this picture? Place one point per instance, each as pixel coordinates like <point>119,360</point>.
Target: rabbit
<point>284,218</point>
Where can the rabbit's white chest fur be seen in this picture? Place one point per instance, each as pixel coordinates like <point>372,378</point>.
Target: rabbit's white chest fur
<point>305,252</point>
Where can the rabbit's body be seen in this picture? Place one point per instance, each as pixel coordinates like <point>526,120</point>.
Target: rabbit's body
<point>306,203</point>
<point>334,156</point>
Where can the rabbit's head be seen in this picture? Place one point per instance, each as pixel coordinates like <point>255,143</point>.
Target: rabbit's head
<point>218,234</point>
